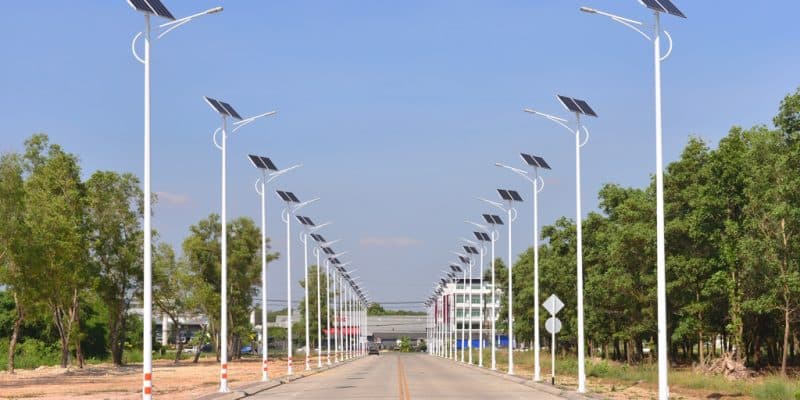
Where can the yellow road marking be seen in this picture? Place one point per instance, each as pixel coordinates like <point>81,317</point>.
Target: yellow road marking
<point>402,382</point>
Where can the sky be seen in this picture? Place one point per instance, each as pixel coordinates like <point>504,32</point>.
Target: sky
<point>396,109</point>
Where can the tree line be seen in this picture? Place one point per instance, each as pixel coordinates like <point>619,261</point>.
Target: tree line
<point>733,256</point>
<point>71,263</point>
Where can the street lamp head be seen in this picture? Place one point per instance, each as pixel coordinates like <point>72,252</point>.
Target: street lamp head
<point>589,10</point>
<point>213,10</point>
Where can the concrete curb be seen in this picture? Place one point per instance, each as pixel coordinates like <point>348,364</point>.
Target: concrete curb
<point>554,390</point>
<point>254,388</point>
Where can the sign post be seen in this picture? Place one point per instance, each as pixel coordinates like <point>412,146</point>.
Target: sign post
<point>553,325</point>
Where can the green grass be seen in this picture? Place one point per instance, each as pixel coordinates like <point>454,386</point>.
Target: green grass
<point>777,389</point>
<point>770,388</point>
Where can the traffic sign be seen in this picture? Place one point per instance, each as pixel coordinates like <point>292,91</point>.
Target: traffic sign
<point>553,325</point>
<point>553,304</point>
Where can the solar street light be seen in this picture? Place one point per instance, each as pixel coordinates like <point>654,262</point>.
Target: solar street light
<point>293,205</point>
<point>492,220</point>
<point>225,111</point>
<point>536,163</point>
<point>578,107</point>
<point>465,259</point>
<point>473,250</point>
<point>324,245</point>
<point>269,172</point>
<point>657,7</point>
<point>511,197</point>
<point>310,228</point>
<point>487,235</point>
<point>151,8</point>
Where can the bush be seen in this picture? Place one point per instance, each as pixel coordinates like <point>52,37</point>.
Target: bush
<point>598,370</point>
<point>31,353</point>
<point>774,389</point>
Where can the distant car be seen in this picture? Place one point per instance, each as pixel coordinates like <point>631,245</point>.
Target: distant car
<point>374,350</point>
<point>248,350</point>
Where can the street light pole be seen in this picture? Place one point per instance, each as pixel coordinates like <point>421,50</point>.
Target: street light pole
<point>147,295</point>
<point>663,361</point>
<point>578,107</point>
<point>538,184</point>
<point>265,165</point>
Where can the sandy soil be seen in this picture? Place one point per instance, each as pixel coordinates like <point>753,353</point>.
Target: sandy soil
<point>104,381</point>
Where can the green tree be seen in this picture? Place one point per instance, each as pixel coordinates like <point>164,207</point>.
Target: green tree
<point>55,215</point>
<point>114,210</point>
<point>312,305</point>
<point>171,290</point>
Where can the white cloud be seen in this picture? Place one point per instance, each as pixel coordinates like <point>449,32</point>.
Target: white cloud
<point>389,241</point>
<point>172,199</point>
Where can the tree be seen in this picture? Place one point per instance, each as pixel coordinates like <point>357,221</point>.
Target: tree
<point>54,213</point>
<point>171,290</point>
<point>312,304</point>
<point>202,250</point>
<point>114,211</point>
<point>14,262</point>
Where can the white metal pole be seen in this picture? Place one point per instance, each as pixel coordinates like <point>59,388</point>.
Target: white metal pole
<point>223,382</point>
<point>494,306</point>
<point>510,300</point>
<point>335,319</point>
<point>264,331</point>
<point>537,370</point>
<point>305,286</point>
<point>463,317</point>
<point>147,351</point>
<point>469,292</point>
<point>663,363</point>
<point>289,288</point>
<point>579,257</point>
<point>328,310</point>
<point>553,355</point>
<point>319,317</point>
<point>480,324</point>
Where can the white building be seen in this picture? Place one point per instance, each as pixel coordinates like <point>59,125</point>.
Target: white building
<point>460,290</point>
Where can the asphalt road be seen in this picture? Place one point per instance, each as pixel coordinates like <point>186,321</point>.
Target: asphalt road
<point>404,377</point>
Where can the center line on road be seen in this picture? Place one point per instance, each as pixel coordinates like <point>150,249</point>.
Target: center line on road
<point>402,382</point>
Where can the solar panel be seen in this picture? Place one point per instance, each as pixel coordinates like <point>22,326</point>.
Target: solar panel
<point>496,220</point>
<point>216,105</point>
<point>488,218</point>
<point>585,107</point>
<point>230,110</point>
<point>317,237</point>
<point>268,163</point>
<point>515,195</point>
<point>455,268</point>
<point>470,250</point>
<point>671,8</point>
<point>534,161</point>
<point>293,197</point>
<point>284,196</point>
<point>504,194</point>
<point>328,250</point>
<point>482,236</point>
<point>663,6</point>
<point>569,104</point>
<point>151,7</point>
<point>257,162</point>
<point>463,259</point>
<point>542,163</point>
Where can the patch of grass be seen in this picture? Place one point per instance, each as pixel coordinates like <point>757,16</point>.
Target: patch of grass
<point>777,389</point>
<point>31,353</point>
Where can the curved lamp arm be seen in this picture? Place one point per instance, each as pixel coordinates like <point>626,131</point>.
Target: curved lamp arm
<point>560,121</point>
<point>172,25</point>
<point>517,171</point>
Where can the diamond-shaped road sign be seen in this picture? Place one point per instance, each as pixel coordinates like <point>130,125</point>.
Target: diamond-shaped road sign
<point>553,325</point>
<point>553,304</point>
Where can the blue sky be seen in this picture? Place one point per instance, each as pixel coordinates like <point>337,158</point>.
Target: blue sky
<point>396,109</point>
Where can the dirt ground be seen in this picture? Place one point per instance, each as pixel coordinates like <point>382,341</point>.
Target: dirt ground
<point>104,381</point>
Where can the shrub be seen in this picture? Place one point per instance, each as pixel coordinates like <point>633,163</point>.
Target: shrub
<point>774,389</point>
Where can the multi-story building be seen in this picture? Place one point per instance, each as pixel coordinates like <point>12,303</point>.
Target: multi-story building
<point>466,307</point>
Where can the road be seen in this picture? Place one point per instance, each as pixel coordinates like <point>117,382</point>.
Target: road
<point>404,377</point>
